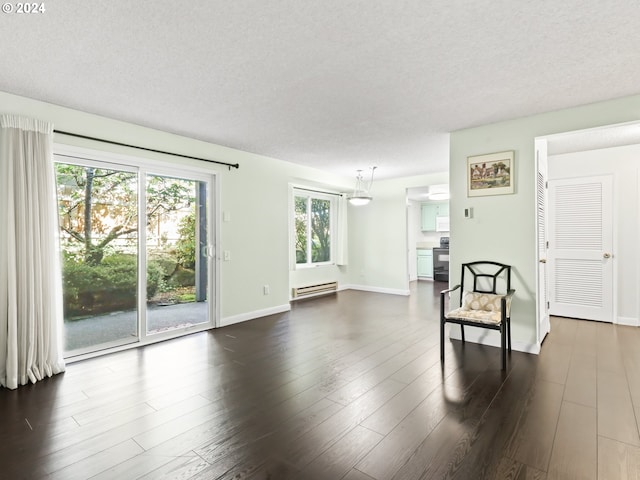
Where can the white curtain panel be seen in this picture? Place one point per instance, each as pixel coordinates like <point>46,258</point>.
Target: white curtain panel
<point>30,279</point>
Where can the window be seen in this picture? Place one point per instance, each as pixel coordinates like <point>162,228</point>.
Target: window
<point>135,243</point>
<point>314,223</point>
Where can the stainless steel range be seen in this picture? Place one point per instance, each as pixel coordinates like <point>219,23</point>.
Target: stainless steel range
<point>441,261</point>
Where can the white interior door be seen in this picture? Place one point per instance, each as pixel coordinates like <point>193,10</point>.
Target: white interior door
<point>544,326</point>
<point>580,248</point>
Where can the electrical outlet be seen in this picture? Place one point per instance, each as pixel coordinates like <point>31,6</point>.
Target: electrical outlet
<point>266,290</point>
<point>226,255</point>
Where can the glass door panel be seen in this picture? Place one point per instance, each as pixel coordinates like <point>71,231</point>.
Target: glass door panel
<point>176,253</point>
<point>98,217</point>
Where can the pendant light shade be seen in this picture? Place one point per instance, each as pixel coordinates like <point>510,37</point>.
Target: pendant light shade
<point>361,195</point>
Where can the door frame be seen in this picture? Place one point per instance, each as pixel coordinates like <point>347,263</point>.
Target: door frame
<point>161,166</point>
<point>626,133</point>
<point>543,325</point>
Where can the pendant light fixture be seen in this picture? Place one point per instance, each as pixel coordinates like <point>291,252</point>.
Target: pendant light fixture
<point>361,193</point>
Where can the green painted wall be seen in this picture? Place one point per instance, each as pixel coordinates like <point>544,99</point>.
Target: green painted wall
<point>378,235</point>
<point>503,227</point>
<point>255,197</point>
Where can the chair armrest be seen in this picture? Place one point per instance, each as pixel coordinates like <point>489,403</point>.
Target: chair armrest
<point>443,294</point>
<point>449,290</point>
<point>505,303</point>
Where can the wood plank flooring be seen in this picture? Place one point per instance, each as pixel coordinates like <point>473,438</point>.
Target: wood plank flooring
<point>347,386</point>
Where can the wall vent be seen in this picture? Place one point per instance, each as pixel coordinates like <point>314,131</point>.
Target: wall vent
<point>312,290</point>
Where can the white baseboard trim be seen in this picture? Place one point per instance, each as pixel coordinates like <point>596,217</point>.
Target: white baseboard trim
<point>629,321</point>
<point>491,338</point>
<point>367,288</point>
<point>243,317</point>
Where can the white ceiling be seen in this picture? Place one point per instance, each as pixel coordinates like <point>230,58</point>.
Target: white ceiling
<point>337,84</point>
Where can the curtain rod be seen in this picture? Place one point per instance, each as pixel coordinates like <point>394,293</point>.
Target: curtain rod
<point>86,137</point>
<point>318,191</point>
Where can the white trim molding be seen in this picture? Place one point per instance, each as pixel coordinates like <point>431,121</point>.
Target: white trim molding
<point>243,317</point>
<point>490,338</point>
<point>368,288</point>
<point>629,321</point>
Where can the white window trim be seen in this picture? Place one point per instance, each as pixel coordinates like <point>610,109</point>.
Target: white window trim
<point>304,191</point>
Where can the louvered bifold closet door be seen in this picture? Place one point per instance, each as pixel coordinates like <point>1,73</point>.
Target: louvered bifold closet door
<point>580,243</point>
<point>542,201</point>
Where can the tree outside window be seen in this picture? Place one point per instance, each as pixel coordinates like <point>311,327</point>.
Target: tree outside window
<point>98,218</point>
<point>313,228</point>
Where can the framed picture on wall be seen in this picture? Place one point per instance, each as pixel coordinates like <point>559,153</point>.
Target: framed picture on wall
<point>490,174</point>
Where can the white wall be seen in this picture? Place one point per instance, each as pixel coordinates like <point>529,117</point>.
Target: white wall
<point>378,236</point>
<point>255,197</point>
<point>413,229</point>
<point>624,164</point>
<point>503,227</point>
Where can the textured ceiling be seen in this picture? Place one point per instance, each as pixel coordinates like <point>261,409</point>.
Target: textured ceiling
<point>337,84</point>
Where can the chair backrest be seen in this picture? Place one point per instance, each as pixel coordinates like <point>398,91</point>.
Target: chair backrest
<point>485,277</point>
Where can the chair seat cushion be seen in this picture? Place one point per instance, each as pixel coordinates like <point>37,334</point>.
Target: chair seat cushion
<point>479,316</point>
<point>481,301</point>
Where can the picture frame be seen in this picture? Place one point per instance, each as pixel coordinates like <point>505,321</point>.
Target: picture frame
<point>491,174</point>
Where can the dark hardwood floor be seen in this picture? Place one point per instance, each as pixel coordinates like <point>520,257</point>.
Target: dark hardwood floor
<point>347,386</point>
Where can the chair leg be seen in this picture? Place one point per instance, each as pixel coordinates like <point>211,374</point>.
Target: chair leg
<point>462,332</point>
<point>509,333</point>
<point>503,334</point>
<point>442,341</point>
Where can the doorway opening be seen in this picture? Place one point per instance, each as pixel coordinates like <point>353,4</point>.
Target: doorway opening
<point>572,164</point>
<point>428,233</point>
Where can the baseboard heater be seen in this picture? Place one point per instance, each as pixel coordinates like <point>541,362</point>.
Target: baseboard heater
<point>312,290</point>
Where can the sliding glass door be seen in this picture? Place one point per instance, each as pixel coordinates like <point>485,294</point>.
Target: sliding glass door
<point>135,245</point>
<point>177,253</point>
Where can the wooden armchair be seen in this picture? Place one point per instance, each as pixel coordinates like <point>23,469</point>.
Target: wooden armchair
<point>480,303</point>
